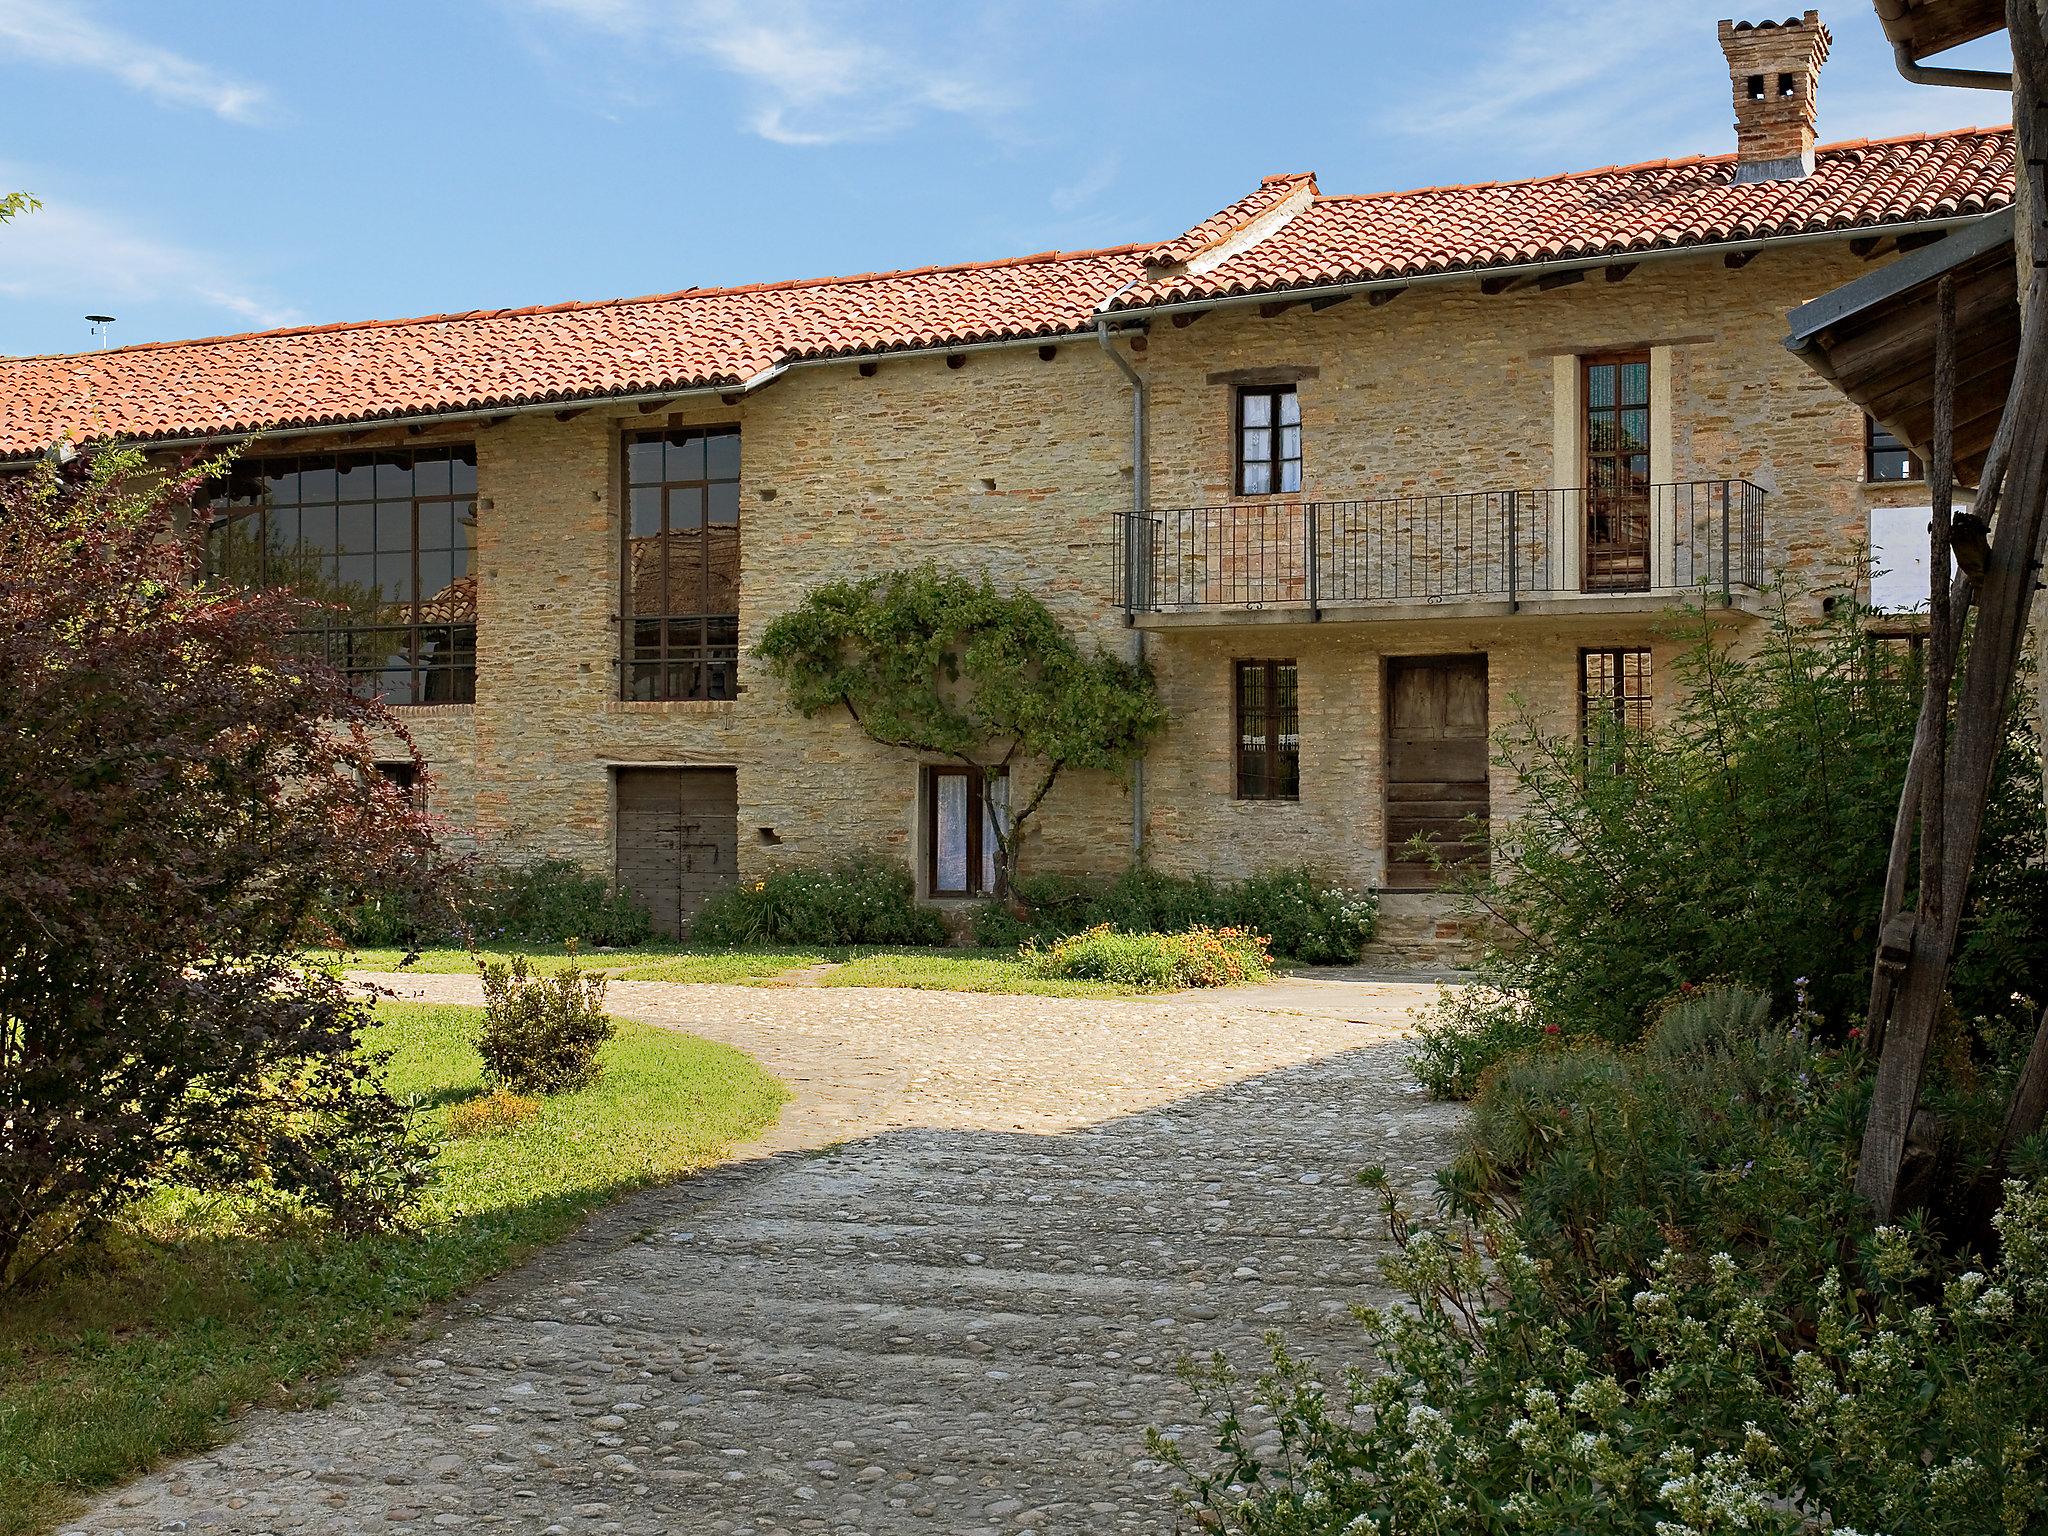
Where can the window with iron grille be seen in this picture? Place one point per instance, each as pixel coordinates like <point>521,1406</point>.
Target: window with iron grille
<point>383,548</point>
<point>1268,731</point>
<point>1885,457</point>
<point>1268,440</point>
<point>1614,695</point>
<point>680,565</point>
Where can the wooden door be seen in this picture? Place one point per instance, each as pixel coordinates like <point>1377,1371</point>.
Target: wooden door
<point>1617,532</point>
<point>1436,765</point>
<point>678,838</point>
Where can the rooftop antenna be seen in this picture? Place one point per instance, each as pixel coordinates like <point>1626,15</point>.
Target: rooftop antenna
<point>99,325</point>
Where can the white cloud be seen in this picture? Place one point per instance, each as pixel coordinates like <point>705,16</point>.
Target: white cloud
<point>816,72</point>
<point>67,254</point>
<point>1087,187</point>
<point>1568,88</point>
<point>43,32</point>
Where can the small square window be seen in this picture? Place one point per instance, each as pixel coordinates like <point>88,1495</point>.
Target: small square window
<point>1268,440</point>
<point>1614,699</point>
<point>1885,457</point>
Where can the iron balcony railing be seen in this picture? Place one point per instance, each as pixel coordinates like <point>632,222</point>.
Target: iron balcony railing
<point>1698,535</point>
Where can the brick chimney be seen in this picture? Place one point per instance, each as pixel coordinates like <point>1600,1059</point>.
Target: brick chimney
<point>1775,66</point>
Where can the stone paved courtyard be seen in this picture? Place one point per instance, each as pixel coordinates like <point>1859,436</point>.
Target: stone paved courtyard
<point>946,1293</point>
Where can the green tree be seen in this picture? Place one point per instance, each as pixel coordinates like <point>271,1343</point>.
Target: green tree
<point>939,663</point>
<point>12,203</point>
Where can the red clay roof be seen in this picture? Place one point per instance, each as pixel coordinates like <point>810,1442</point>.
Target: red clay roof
<point>1218,227</point>
<point>1615,211</point>
<point>313,375</point>
<point>488,359</point>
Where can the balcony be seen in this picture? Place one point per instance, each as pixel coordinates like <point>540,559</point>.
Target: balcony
<point>1478,552</point>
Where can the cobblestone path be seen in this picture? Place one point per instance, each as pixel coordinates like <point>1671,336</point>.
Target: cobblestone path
<point>945,1294</point>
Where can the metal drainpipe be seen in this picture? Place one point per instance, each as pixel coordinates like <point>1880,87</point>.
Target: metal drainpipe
<point>1140,497</point>
<point>1935,74</point>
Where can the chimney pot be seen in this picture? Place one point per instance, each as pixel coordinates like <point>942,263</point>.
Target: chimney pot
<point>1774,68</point>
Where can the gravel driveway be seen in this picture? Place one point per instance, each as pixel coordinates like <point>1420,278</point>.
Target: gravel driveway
<point>945,1293</point>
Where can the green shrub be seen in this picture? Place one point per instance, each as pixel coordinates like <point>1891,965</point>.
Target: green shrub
<point>866,899</point>
<point>1154,962</point>
<point>541,1034</point>
<point>550,901</point>
<point>1909,1406</point>
<point>1466,1030</point>
<point>554,901</point>
<point>1732,1129</point>
<point>1745,836</point>
<point>1307,918</point>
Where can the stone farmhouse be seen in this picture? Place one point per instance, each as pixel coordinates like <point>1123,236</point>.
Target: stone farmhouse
<point>1364,477</point>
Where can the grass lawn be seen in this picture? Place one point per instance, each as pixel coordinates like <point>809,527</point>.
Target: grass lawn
<point>195,1309</point>
<point>958,970</point>
<point>654,962</point>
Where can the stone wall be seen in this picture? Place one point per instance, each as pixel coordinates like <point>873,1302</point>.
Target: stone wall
<point>1016,464</point>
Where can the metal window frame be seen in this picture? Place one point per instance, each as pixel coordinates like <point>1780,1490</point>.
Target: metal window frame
<point>418,669</point>
<point>1620,699</point>
<point>1915,470</point>
<point>703,663</point>
<point>1267,669</point>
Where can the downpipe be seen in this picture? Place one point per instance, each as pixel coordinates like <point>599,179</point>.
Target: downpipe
<point>1140,499</point>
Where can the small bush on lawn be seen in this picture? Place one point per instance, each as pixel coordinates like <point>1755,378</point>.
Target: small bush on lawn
<point>862,900</point>
<point>492,1114</point>
<point>1154,962</point>
<point>541,1034</point>
<point>1307,918</point>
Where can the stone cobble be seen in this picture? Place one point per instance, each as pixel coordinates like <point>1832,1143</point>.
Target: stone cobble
<point>947,1292</point>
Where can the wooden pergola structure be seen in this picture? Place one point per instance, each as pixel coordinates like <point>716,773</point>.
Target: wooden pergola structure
<point>1948,347</point>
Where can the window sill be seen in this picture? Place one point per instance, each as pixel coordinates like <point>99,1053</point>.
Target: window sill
<point>670,706</point>
<point>434,711</point>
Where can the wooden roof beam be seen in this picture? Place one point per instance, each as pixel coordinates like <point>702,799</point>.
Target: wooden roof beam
<point>1504,283</point>
<point>1187,317</point>
<point>1380,297</point>
<point>1735,261</point>
<point>1618,270</point>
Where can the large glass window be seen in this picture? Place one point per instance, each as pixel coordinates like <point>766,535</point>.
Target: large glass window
<point>1268,731</point>
<point>681,564</point>
<point>381,545</point>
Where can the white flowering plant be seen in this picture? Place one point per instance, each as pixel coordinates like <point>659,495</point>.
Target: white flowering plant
<point>1903,1405</point>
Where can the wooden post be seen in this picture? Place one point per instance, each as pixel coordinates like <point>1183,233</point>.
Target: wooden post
<point>2012,498</point>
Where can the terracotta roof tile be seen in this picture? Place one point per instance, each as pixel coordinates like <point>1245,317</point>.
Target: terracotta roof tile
<point>1218,227</point>
<point>313,375</point>
<point>486,359</point>
<point>1615,211</point>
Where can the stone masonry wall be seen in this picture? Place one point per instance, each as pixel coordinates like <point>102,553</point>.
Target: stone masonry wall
<point>1016,465</point>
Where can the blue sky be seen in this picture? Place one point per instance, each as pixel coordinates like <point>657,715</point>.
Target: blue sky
<point>223,166</point>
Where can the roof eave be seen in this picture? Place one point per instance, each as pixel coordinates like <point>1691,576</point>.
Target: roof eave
<point>1537,268</point>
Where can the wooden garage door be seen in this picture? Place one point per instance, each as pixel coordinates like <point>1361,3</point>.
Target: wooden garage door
<point>1436,764</point>
<point>678,837</point>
